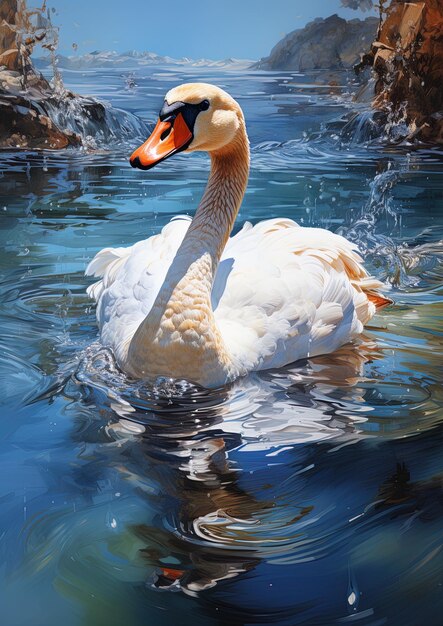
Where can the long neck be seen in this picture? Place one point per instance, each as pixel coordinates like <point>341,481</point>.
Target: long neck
<point>199,254</point>
<point>216,213</point>
<point>182,314</point>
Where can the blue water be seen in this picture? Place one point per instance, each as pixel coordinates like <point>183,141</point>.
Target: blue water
<point>309,495</point>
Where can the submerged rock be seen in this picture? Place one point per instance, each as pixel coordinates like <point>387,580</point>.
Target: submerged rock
<point>407,58</point>
<point>24,123</point>
<point>38,116</point>
<point>329,43</point>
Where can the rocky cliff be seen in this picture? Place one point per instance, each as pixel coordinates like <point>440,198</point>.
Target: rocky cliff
<point>407,57</point>
<point>24,119</point>
<point>9,53</point>
<point>322,44</point>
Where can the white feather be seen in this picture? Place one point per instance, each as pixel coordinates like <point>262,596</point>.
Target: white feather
<point>130,281</point>
<point>281,292</point>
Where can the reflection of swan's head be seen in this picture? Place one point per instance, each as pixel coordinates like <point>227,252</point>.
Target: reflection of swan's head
<point>194,116</point>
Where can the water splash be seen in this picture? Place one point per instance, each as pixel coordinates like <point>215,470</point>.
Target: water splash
<point>99,124</point>
<point>380,205</point>
<point>372,127</point>
<point>405,265</point>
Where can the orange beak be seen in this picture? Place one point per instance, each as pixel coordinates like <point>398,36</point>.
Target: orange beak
<point>167,138</point>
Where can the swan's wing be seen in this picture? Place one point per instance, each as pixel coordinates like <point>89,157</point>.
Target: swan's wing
<point>287,292</point>
<point>130,279</point>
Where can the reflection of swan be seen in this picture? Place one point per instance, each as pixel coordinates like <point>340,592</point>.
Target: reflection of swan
<point>192,303</point>
<point>317,399</point>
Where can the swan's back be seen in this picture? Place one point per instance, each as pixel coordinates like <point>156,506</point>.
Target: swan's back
<point>291,292</point>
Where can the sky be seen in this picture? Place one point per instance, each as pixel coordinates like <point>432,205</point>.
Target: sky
<point>193,28</point>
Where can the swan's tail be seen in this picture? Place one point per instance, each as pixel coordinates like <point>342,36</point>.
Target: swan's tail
<point>378,299</point>
<point>368,297</point>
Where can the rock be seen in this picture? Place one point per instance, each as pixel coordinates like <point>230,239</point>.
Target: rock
<point>37,114</point>
<point>24,125</point>
<point>9,52</point>
<point>24,119</point>
<point>329,43</point>
<point>407,58</point>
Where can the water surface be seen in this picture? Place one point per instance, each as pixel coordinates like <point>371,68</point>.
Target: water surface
<point>308,495</point>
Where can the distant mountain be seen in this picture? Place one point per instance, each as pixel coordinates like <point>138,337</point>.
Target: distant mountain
<point>327,43</point>
<point>132,59</point>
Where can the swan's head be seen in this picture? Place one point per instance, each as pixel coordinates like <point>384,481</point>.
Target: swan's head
<point>194,116</point>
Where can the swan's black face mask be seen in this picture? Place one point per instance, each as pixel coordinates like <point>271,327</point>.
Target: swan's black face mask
<point>173,133</point>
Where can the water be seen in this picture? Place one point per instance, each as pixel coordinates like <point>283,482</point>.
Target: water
<point>308,495</point>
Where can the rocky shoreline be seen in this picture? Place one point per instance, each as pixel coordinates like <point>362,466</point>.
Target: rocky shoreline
<point>404,48</point>
<point>35,113</point>
<point>329,43</point>
<point>407,61</point>
<point>25,120</point>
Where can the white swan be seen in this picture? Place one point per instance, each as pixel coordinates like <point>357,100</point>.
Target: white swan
<point>193,303</point>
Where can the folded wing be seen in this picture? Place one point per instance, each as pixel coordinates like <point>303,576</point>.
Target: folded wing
<point>130,279</point>
<point>283,293</point>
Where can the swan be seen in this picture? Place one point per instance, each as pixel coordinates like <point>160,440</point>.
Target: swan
<point>194,303</point>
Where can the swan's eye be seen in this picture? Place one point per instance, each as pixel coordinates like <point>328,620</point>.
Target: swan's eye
<point>204,105</point>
